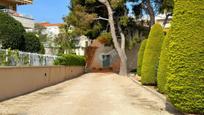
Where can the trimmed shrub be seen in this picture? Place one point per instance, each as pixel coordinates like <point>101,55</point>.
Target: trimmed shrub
<point>32,43</point>
<point>163,63</point>
<point>140,57</point>
<point>70,60</point>
<point>185,80</point>
<point>11,32</point>
<point>151,55</point>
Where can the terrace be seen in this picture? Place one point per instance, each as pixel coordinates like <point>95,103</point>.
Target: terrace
<point>21,2</point>
<point>9,6</point>
<point>27,21</point>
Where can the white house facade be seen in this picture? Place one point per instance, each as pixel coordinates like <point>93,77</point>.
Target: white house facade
<point>81,43</point>
<point>52,31</point>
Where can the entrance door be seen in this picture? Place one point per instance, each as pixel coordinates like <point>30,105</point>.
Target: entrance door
<point>106,61</point>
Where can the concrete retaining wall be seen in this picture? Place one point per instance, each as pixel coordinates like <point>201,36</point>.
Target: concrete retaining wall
<point>15,81</point>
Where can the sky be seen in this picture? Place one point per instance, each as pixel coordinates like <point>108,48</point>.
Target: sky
<point>46,10</point>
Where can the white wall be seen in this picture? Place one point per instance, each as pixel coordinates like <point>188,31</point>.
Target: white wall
<point>83,43</point>
<point>51,31</point>
<point>28,23</point>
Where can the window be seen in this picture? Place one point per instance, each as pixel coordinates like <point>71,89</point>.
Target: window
<point>106,61</point>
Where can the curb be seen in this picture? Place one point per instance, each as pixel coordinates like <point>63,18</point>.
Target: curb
<point>162,97</point>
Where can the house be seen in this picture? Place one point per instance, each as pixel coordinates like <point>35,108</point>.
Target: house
<point>10,7</point>
<point>161,18</point>
<point>52,31</point>
<point>82,42</point>
<point>104,57</point>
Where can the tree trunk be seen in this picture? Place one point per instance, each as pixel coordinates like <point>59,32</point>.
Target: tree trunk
<point>166,19</point>
<point>151,13</point>
<point>120,50</point>
<point>123,65</point>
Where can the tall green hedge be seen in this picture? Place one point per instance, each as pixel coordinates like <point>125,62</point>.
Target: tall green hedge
<point>140,57</point>
<point>70,60</point>
<point>151,55</point>
<point>163,62</point>
<point>185,81</point>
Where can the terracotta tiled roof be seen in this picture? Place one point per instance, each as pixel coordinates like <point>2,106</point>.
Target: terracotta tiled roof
<point>95,43</point>
<point>46,24</point>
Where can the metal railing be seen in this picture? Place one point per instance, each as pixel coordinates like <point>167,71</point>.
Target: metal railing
<point>14,13</point>
<point>18,58</point>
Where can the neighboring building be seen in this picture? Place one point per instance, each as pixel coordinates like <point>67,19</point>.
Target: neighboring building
<point>10,7</point>
<point>52,31</point>
<point>82,43</point>
<point>103,57</point>
<point>161,18</point>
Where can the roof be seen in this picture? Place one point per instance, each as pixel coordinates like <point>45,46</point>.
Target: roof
<point>14,13</point>
<point>46,24</point>
<point>21,2</point>
<point>96,43</point>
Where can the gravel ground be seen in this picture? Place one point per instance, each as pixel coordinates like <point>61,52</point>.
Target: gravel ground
<point>90,94</point>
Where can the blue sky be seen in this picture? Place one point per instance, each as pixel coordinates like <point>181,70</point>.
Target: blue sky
<point>46,10</point>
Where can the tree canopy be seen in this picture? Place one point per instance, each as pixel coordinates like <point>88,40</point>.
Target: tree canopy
<point>11,32</point>
<point>32,43</point>
<point>89,17</point>
<point>65,40</point>
<point>94,17</point>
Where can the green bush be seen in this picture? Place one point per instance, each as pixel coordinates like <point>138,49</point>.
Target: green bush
<point>185,80</point>
<point>140,57</point>
<point>70,60</point>
<point>11,32</point>
<point>162,69</point>
<point>42,49</point>
<point>151,55</point>
<point>32,43</point>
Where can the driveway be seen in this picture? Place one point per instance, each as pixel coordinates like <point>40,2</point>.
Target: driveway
<point>90,94</point>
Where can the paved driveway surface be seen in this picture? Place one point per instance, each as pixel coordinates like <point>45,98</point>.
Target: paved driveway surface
<point>90,94</point>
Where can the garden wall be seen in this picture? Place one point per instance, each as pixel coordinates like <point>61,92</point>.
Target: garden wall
<point>15,81</point>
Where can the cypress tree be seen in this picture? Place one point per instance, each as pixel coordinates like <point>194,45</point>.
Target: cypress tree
<point>185,80</point>
<point>140,56</point>
<point>163,63</point>
<point>151,55</point>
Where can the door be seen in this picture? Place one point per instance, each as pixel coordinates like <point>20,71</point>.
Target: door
<point>106,61</point>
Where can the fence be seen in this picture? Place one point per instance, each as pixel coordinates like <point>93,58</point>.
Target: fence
<point>18,58</point>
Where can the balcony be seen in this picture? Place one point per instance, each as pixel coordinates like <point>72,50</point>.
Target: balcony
<point>21,2</point>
